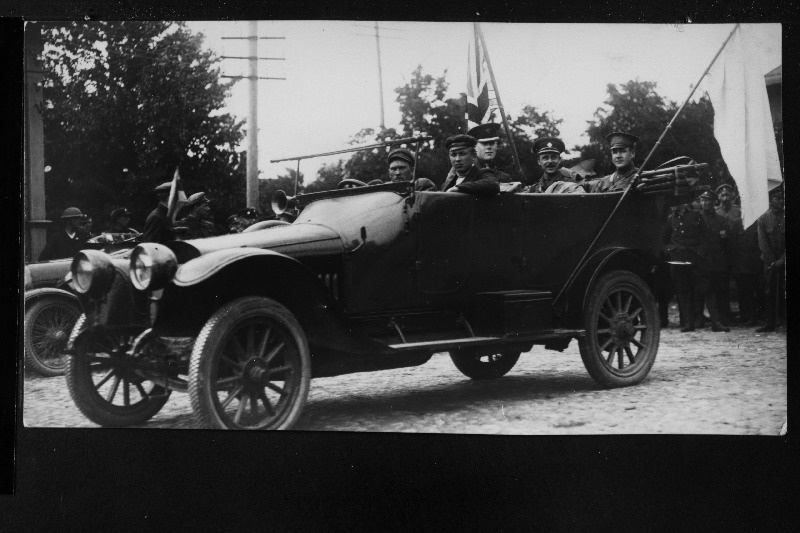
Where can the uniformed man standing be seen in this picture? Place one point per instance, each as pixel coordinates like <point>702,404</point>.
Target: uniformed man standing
<point>772,242</point>
<point>70,239</point>
<point>731,213</point>
<point>686,254</point>
<point>548,154</point>
<point>716,236</point>
<point>466,176</point>
<point>158,226</point>
<point>748,270</point>
<point>623,151</point>
<point>401,168</point>
<point>488,137</point>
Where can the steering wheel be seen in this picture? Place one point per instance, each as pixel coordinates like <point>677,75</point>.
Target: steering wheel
<point>349,183</point>
<point>680,160</point>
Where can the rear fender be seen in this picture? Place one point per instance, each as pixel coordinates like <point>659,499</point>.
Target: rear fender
<point>599,264</point>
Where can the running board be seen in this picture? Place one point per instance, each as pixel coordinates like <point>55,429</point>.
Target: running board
<point>482,341</point>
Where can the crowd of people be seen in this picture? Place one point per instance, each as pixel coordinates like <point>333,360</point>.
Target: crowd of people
<point>705,249</point>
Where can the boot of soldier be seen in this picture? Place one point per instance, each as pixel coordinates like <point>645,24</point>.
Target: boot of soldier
<point>716,326</point>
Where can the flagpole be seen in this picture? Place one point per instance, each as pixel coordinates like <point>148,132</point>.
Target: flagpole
<point>635,179</point>
<point>479,32</point>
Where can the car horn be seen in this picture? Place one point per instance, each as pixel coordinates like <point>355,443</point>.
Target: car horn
<point>281,203</point>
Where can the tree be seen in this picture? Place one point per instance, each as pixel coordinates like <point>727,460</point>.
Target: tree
<point>637,107</point>
<point>328,177</point>
<point>125,103</point>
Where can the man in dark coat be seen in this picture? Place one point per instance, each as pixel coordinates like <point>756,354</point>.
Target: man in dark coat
<point>488,137</point>
<point>548,154</point>
<point>401,168</point>
<point>466,176</point>
<point>731,213</point>
<point>686,254</point>
<point>748,270</point>
<point>772,242</point>
<point>623,151</point>
<point>158,227</point>
<point>70,239</point>
<point>197,224</point>
<point>716,238</point>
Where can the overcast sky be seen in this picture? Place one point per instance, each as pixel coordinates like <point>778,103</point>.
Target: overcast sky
<point>331,90</point>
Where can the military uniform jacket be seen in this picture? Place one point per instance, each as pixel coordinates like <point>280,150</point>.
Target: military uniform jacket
<point>716,246</point>
<point>732,215</point>
<point>686,237</point>
<point>546,181</point>
<point>60,246</point>
<point>158,226</point>
<point>481,182</point>
<point>747,255</point>
<point>192,227</point>
<point>613,182</point>
<point>502,176</point>
<point>771,236</point>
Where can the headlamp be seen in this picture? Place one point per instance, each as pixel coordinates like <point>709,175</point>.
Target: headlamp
<point>152,266</point>
<point>92,273</point>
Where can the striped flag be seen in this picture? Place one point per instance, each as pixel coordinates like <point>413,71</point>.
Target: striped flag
<point>481,100</point>
<point>177,197</point>
<point>742,119</point>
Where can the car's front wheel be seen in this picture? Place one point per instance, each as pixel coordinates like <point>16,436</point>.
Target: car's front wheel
<point>105,384</point>
<point>484,366</point>
<point>250,367</point>
<point>622,330</point>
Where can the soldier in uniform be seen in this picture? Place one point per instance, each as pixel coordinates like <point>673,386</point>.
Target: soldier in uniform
<point>748,270</point>
<point>158,226</point>
<point>466,176</point>
<point>731,213</point>
<point>70,239</point>
<point>716,235</point>
<point>120,219</point>
<point>623,150</point>
<point>772,242</point>
<point>401,168</point>
<point>685,252</point>
<point>197,224</point>
<point>548,155</point>
<point>488,137</point>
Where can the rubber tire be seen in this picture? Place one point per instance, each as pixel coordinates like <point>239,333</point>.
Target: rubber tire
<point>210,340</point>
<point>591,355</point>
<point>33,360</point>
<point>97,409</point>
<point>469,363</point>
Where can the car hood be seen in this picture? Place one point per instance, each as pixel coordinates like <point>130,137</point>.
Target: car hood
<point>294,240</point>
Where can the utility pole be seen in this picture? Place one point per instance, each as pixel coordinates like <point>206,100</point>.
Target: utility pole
<point>252,119</point>
<point>380,73</point>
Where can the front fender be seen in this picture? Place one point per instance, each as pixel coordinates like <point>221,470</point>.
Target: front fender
<point>37,294</point>
<point>200,269</point>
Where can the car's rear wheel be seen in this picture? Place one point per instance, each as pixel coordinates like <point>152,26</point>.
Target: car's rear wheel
<point>622,330</point>
<point>250,367</point>
<point>106,386</point>
<point>48,322</point>
<point>477,365</point>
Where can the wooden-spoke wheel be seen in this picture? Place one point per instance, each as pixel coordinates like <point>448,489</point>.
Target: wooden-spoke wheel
<point>484,366</point>
<point>48,322</point>
<point>250,367</point>
<point>105,385</point>
<point>622,330</point>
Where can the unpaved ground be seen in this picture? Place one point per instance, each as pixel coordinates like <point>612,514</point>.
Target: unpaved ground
<point>702,382</point>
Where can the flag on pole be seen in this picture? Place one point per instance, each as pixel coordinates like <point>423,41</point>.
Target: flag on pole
<point>481,101</point>
<point>177,197</point>
<point>743,122</point>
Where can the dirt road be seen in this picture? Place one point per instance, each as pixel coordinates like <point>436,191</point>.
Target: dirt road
<point>702,382</point>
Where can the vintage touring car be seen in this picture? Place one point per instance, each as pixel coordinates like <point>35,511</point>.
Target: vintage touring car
<point>366,279</point>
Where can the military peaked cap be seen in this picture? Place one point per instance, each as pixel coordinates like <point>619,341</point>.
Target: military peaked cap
<point>460,141</point>
<point>485,132</point>
<point>723,187</point>
<point>121,212</point>
<point>197,199</point>
<point>403,154</point>
<point>708,194</point>
<point>620,138</point>
<point>548,144</point>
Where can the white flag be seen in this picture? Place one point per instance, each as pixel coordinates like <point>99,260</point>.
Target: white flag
<point>742,119</point>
